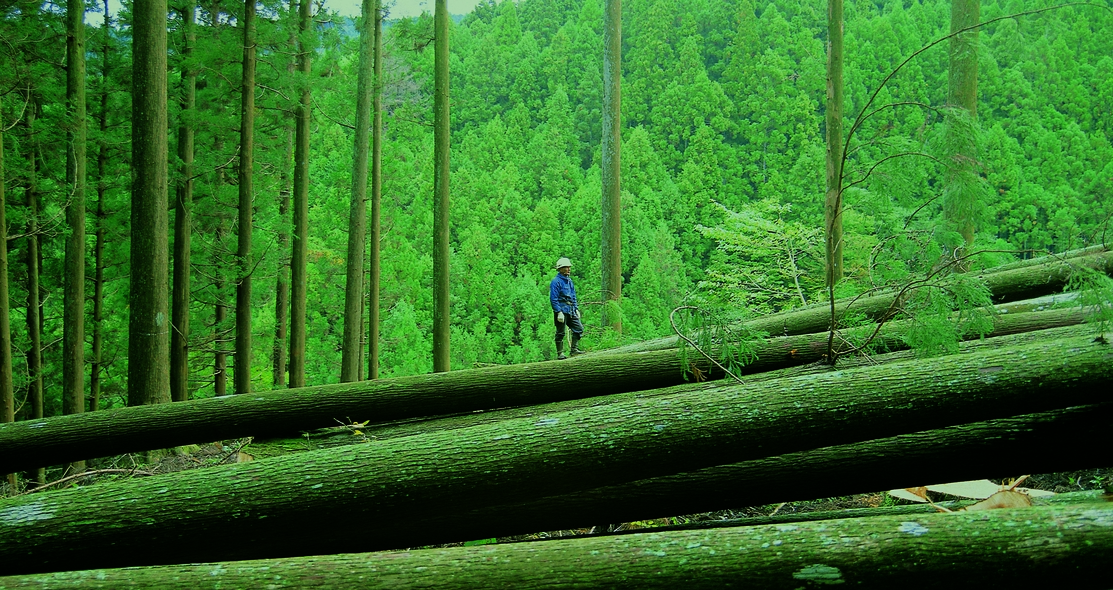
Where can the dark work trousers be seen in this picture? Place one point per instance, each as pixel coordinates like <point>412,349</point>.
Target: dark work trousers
<point>572,323</point>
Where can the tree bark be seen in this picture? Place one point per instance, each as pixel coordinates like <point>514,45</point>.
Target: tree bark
<point>34,304</point>
<point>376,202</point>
<point>281,413</point>
<point>268,505</point>
<point>183,215</point>
<point>247,196</point>
<point>301,204</point>
<point>960,194</point>
<point>441,313</point>
<point>832,208</point>
<point>282,285</point>
<point>335,436</point>
<point>612,165</point>
<point>357,213</point>
<point>1059,440</point>
<point>1053,545</point>
<point>7,398</point>
<point>148,344</point>
<point>1015,284</point>
<point>73,315</point>
<point>101,221</point>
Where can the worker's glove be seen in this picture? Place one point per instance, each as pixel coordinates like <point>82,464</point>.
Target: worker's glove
<point>560,317</point>
<point>577,312</point>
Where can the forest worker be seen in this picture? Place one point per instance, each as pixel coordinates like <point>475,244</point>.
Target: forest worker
<point>566,313</point>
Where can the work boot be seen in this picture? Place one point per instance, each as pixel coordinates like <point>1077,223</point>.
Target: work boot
<point>560,350</point>
<point>575,347</point>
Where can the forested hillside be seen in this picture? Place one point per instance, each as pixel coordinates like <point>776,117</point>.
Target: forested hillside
<point>723,105</point>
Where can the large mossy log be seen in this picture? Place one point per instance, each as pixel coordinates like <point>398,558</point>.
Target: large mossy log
<point>1013,284</point>
<point>1056,546</point>
<point>325,501</point>
<point>342,436</point>
<point>34,443</point>
<point>1067,439</point>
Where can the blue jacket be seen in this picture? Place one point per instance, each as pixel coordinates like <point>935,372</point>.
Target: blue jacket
<point>562,294</point>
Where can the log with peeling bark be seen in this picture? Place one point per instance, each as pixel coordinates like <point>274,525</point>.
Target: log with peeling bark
<point>1056,546</point>
<point>35,443</point>
<point>322,502</point>
<point>1014,284</point>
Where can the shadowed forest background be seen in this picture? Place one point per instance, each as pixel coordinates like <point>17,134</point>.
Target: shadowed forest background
<point>722,167</point>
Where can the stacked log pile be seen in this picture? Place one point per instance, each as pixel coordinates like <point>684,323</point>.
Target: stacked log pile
<point>603,438</point>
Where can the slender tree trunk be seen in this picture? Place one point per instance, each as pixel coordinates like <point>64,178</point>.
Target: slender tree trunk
<point>833,204</point>
<point>148,326</point>
<point>34,305</point>
<point>376,202</point>
<point>101,221</point>
<point>357,213</point>
<point>524,459</point>
<point>612,164</point>
<point>183,216</point>
<point>247,168</point>
<point>73,320</point>
<point>962,95</point>
<point>298,268</point>
<point>282,286</point>
<point>1053,546</point>
<point>220,310</point>
<point>441,131</point>
<point>7,399</point>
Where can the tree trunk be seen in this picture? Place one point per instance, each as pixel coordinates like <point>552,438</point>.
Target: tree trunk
<point>269,505</point>
<point>148,326</point>
<point>832,208</point>
<point>7,399</point>
<point>247,195</point>
<point>34,305</point>
<point>357,212</point>
<point>301,205</point>
<point>612,165</point>
<point>376,202</point>
<point>281,413</point>
<point>73,316</point>
<point>282,286</point>
<point>1056,546</point>
<point>336,436</point>
<point>961,182</point>
<point>1015,284</point>
<point>183,216</point>
<point>1059,440</point>
<point>441,313</point>
<point>101,221</point>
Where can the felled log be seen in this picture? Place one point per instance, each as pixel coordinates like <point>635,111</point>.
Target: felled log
<point>1057,546</point>
<point>309,502</point>
<point>54,440</point>
<point>1014,284</point>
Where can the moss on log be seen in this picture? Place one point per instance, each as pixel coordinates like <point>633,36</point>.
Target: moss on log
<point>1035,443</point>
<point>1059,546</point>
<point>336,437</point>
<point>48,441</point>
<point>307,503</point>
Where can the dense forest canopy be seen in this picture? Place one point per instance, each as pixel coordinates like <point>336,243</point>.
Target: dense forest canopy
<point>722,164</point>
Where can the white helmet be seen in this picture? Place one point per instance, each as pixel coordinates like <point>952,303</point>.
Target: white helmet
<point>563,262</point>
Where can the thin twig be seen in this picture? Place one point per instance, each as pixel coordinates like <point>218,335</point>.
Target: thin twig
<point>83,474</point>
<point>693,344</point>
